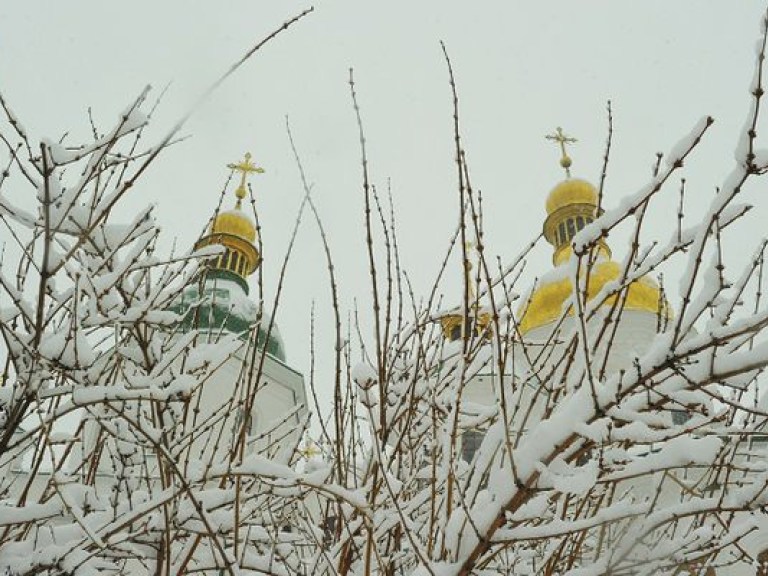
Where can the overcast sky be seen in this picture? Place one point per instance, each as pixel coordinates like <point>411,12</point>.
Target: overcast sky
<point>522,69</point>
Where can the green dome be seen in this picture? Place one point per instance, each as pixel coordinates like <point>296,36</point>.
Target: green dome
<point>225,306</point>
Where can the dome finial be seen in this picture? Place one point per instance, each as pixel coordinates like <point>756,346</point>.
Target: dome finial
<point>245,168</point>
<point>236,232</point>
<point>468,248</point>
<point>562,139</point>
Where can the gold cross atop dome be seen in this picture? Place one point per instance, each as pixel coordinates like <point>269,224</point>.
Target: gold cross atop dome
<point>310,450</point>
<point>562,139</point>
<point>468,248</point>
<point>245,168</point>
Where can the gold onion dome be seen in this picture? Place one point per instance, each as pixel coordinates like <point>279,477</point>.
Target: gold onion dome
<point>236,223</point>
<point>571,205</point>
<point>571,191</point>
<point>236,232</point>
<point>456,325</point>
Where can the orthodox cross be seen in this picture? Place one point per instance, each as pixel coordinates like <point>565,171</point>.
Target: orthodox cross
<point>245,168</point>
<point>468,248</point>
<point>562,139</point>
<point>310,450</point>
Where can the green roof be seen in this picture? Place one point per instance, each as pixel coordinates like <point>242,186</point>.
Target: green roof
<point>225,307</point>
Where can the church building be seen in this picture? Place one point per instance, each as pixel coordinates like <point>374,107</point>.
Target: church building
<point>220,303</point>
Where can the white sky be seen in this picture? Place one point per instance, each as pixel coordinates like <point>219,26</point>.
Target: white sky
<point>522,68</point>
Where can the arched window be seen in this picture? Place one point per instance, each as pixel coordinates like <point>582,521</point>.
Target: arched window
<point>579,222</point>
<point>571,229</point>
<point>470,442</point>
<point>561,234</point>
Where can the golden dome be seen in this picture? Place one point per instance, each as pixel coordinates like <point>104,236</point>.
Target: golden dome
<point>545,304</point>
<point>453,325</point>
<point>235,232</point>
<point>571,191</point>
<point>571,206</point>
<point>236,223</point>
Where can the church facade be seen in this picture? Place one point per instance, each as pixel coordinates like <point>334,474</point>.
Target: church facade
<point>244,398</point>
